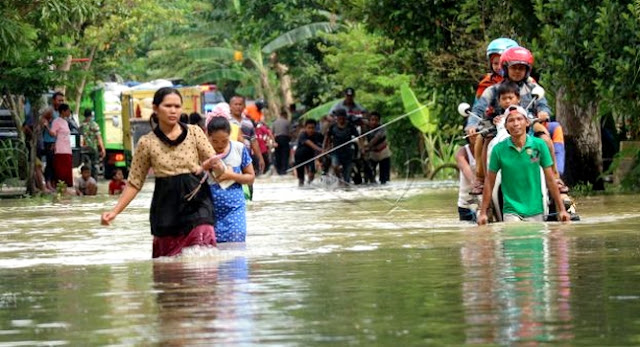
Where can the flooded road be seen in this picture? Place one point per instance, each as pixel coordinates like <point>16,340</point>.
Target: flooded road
<point>378,266</point>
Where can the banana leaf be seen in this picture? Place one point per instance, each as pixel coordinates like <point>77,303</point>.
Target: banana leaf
<point>420,119</point>
<point>320,111</point>
<point>211,53</point>
<point>222,75</point>
<point>298,35</point>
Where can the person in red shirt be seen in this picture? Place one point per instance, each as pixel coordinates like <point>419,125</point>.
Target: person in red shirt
<point>265,142</point>
<point>117,184</point>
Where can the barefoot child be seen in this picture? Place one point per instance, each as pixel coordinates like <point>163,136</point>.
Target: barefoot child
<point>229,207</point>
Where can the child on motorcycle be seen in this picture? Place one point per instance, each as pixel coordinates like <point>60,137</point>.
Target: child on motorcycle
<point>494,51</point>
<point>516,65</point>
<point>520,158</point>
<point>508,95</point>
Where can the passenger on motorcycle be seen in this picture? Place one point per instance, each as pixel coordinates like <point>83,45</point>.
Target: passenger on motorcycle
<point>508,95</point>
<point>520,158</point>
<point>516,65</point>
<point>494,51</point>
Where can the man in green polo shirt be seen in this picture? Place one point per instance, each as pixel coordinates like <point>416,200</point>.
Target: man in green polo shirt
<point>520,158</point>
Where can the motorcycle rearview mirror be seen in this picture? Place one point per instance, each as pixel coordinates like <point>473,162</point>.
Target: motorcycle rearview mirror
<point>538,92</point>
<point>464,109</point>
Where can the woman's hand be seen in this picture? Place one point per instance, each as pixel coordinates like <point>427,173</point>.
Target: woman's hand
<point>107,217</point>
<point>209,163</point>
<point>218,168</point>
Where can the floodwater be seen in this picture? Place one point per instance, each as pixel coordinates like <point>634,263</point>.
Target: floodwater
<point>380,266</point>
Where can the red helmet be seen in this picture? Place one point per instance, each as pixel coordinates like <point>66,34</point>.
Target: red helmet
<point>515,56</point>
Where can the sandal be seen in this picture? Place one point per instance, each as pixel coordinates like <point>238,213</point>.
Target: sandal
<point>477,189</point>
<point>562,187</point>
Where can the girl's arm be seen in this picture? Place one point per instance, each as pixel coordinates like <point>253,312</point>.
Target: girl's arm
<point>246,177</point>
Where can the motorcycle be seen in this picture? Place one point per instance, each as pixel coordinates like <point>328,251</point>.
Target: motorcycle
<point>486,127</point>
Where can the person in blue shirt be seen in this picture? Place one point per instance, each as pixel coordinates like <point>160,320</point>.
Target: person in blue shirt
<point>228,195</point>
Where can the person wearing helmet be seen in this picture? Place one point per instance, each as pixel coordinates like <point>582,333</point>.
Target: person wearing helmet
<point>520,159</point>
<point>516,64</point>
<point>494,51</point>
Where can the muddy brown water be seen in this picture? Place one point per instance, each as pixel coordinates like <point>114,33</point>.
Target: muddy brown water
<point>374,266</point>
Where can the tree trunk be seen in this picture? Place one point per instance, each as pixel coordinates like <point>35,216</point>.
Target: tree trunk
<point>35,134</point>
<point>265,84</point>
<point>285,83</point>
<point>65,67</point>
<point>83,82</point>
<point>15,105</point>
<point>274,105</point>
<point>583,142</point>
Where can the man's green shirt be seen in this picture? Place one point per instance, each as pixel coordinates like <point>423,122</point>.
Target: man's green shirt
<point>521,180</point>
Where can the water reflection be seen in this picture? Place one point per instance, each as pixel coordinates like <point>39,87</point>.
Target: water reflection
<point>517,286</point>
<point>203,301</point>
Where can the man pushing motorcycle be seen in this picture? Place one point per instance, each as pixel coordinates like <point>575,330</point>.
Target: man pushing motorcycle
<point>520,158</point>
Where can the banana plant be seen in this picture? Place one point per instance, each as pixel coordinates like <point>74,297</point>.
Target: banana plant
<point>439,154</point>
<point>318,112</point>
<point>262,60</point>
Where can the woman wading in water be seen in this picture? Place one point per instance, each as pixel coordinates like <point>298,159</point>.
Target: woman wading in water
<point>181,210</point>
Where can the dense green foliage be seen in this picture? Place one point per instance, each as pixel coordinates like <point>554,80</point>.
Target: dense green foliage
<point>307,51</point>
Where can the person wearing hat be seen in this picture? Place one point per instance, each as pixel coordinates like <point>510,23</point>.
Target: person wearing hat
<point>351,107</point>
<point>520,158</point>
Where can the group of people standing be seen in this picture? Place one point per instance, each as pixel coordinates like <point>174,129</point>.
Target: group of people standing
<point>53,132</point>
<point>504,96</point>
<point>341,138</point>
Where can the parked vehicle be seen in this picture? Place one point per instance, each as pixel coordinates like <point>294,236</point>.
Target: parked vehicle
<point>123,114</point>
<point>211,96</point>
<point>137,109</point>
<point>107,110</point>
